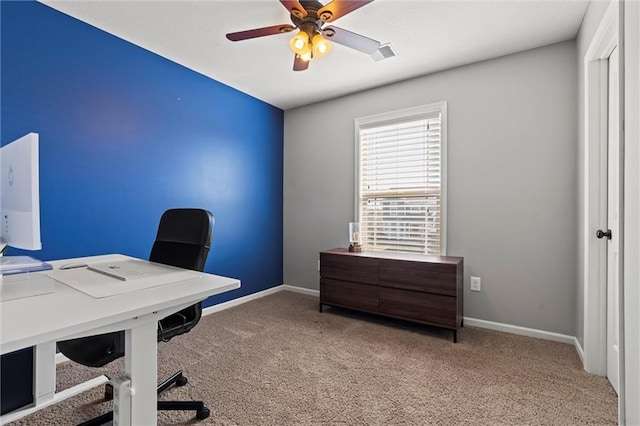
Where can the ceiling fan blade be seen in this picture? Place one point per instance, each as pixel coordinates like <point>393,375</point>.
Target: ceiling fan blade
<point>352,40</point>
<point>299,64</point>
<point>260,32</point>
<point>338,8</point>
<point>295,8</point>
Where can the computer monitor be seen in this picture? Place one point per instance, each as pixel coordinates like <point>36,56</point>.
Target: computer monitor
<point>20,194</point>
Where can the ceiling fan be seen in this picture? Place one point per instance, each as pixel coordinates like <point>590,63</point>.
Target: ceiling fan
<point>309,17</point>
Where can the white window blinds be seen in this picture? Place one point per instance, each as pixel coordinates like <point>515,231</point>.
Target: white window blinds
<point>401,185</point>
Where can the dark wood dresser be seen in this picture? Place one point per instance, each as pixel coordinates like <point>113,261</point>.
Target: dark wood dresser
<point>412,287</point>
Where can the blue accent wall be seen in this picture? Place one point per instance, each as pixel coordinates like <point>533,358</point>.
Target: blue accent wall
<point>126,134</point>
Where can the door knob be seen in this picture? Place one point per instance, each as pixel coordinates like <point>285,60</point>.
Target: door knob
<point>601,234</point>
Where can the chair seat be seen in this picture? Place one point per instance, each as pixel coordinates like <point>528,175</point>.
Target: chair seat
<point>94,351</point>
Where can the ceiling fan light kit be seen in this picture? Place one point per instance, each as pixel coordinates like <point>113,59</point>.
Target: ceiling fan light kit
<point>309,17</point>
<point>307,50</point>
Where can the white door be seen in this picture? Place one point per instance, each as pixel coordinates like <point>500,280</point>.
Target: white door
<point>613,231</point>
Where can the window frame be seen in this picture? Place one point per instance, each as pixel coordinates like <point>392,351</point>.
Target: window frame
<point>404,115</point>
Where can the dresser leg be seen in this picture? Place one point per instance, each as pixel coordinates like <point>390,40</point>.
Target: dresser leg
<point>320,307</point>
<point>455,336</point>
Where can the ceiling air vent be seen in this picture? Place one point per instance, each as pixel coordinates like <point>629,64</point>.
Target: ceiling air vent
<point>385,51</point>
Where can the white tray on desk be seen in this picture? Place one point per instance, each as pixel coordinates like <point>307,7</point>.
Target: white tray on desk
<point>19,286</point>
<point>98,285</point>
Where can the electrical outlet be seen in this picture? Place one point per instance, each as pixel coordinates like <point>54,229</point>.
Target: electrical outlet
<point>475,284</point>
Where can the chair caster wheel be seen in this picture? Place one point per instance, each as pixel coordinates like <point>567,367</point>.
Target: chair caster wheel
<point>203,414</point>
<point>181,381</point>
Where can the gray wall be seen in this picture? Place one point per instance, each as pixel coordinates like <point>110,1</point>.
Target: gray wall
<point>512,181</point>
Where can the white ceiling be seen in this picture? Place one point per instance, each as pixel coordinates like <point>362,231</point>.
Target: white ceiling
<point>428,36</point>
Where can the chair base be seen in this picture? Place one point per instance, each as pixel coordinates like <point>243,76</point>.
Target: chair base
<point>177,379</point>
<point>202,412</point>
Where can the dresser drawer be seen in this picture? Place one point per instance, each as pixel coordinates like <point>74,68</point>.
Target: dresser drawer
<point>418,276</point>
<point>428,308</point>
<point>347,267</point>
<point>349,295</point>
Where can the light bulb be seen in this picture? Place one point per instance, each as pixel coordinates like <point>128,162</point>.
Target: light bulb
<point>321,46</point>
<point>306,56</point>
<point>300,43</point>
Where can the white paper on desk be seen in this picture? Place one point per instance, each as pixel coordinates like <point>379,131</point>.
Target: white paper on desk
<point>24,285</point>
<point>99,285</point>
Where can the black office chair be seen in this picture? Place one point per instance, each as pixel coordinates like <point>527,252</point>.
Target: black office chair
<point>183,240</point>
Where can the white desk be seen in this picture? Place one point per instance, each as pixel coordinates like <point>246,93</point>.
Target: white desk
<point>66,313</point>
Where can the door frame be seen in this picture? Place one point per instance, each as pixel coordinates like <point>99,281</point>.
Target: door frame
<point>595,195</point>
<point>631,49</point>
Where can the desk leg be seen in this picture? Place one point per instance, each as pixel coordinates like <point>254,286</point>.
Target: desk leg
<point>44,369</point>
<point>141,366</point>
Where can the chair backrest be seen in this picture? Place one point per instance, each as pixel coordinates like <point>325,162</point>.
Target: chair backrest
<point>183,240</point>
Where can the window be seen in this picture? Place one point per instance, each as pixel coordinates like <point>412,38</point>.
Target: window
<point>401,180</point>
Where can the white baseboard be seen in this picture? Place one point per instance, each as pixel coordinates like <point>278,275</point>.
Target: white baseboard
<point>579,349</point>
<point>473,322</point>
<point>306,291</point>
<point>240,300</point>
<point>523,331</point>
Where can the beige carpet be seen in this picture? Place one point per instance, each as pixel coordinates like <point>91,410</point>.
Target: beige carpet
<point>278,361</point>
